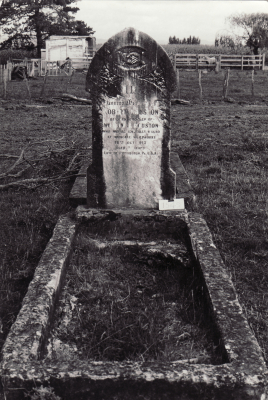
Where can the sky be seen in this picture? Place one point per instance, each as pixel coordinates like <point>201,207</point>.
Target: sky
<point>164,18</point>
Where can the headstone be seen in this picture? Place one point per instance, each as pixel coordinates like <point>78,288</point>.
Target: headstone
<point>131,79</point>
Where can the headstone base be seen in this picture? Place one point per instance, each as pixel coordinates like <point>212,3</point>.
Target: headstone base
<point>86,183</point>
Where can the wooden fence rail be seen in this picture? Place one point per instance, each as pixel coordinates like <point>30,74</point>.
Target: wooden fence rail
<point>219,61</point>
<point>64,67</point>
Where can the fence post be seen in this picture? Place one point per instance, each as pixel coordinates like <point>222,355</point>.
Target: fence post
<point>252,82</point>
<point>200,84</point>
<point>27,83</point>
<point>263,61</point>
<point>242,62</point>
<point>226,83</point>
<point>177,77</point>
<point>9,69</point>
<point>197,56</point>
<point>5,78</point>
<point>178,84</point>
<point>44,82</point>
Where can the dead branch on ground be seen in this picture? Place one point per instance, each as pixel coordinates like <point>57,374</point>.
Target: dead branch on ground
<point>67,96</point>
<point>57,160</point>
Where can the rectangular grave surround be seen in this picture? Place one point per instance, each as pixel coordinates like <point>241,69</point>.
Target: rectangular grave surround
<point>242,374</point>
<point>133,293</point>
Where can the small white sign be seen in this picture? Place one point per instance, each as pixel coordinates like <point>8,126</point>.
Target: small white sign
<point>177,204</point>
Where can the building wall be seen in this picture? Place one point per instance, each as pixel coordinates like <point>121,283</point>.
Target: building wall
<point>60,47</point>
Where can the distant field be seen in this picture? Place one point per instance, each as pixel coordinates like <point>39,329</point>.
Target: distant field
<point>198,48</point>
<point>202,49</point>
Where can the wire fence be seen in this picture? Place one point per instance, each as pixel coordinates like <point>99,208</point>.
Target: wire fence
<point>192,85</point>
<point>247,85</point>
<point>44,87</point>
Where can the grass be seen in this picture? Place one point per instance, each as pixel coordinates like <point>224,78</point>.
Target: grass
<point>28,217</point>
<point>202,49</point>
<point>54,87</point>
<point>50,138</point>
<point>224,150</point>
<point>122,302</point>
<point>239,89</point>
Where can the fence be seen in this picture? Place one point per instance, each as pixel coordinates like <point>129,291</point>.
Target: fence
<point>33,68</point>
<point>64,67</point>
<point>38,67</point>
<point>219,61</point>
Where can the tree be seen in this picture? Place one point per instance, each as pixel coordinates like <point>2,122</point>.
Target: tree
<point>29,21</point>
<point>254,29</point>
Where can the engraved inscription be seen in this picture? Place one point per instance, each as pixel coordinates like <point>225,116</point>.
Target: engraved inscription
<point>132,128</point>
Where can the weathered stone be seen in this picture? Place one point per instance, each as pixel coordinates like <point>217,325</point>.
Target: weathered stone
<point>131,79</point>
<point>78,195</point>
<point>241,376</point>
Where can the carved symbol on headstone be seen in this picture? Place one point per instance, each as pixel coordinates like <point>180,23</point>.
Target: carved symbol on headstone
<point>130,57</point>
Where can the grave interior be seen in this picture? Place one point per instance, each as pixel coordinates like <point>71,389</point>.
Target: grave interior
<point>133,292</point>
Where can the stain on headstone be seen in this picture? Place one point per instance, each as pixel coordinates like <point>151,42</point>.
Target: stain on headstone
<point>131,79</point>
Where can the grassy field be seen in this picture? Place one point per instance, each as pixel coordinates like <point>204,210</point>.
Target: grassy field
<point>42,144</point>
<point>239,88</point>
<point>223,146</point>
<point>202,49</point>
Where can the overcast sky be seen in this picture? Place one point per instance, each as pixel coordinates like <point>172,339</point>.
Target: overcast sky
<point>163,18</point>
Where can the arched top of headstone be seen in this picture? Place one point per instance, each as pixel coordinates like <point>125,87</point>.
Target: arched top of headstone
<point>134,53</point>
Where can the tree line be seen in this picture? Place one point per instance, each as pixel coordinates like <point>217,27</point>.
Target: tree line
<point>189,40</point>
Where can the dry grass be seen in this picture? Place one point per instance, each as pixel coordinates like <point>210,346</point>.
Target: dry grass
<point>239,89</point>
<point>224,150</point>
<point>125,302</point>
<point>50,138</point>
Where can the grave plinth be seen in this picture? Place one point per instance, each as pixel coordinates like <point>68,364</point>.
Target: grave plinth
<point>131,79</point>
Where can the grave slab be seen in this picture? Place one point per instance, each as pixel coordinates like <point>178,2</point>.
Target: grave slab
<point>241,376</point>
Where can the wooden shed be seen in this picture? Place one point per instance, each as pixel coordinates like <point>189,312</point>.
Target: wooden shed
<point>60,47</point>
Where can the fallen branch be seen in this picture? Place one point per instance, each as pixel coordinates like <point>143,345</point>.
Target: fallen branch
<point>17,175</point>
<point>8,156</point>
<point>72,162</point>
<point>19,160</point>
<point>26,183</point>
<point>71,97</point>
<point>179,101</point>
<point>51,157</point>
